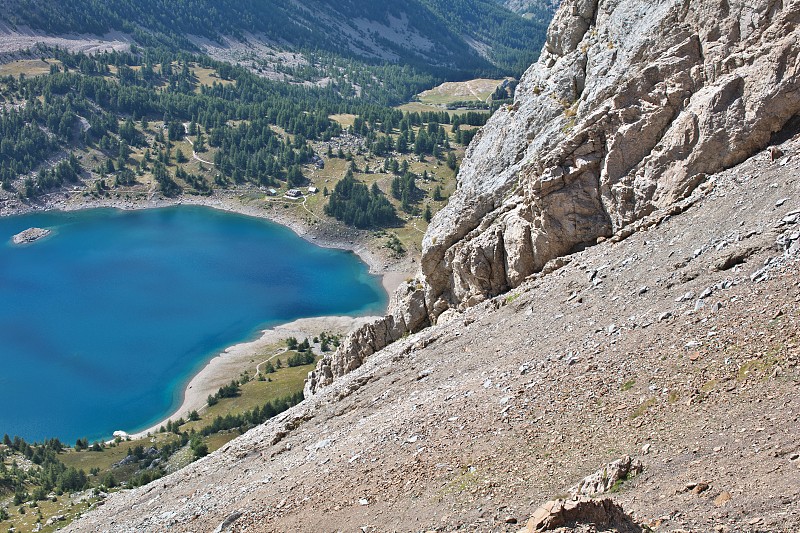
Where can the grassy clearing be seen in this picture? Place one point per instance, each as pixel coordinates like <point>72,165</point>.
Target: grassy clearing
<point>478,90</point>
<point>37,516</point>
<point>103,460</point>
<point>345,120</point>
<point>208,76</point>
<point>419,107</point>
<point>29,67</point>
<point>285,382</point>
<point>413,227</point>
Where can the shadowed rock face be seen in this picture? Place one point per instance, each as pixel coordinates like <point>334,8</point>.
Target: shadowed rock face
<point>630,106</point>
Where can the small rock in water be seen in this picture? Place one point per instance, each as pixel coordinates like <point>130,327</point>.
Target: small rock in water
<point>30,235</point>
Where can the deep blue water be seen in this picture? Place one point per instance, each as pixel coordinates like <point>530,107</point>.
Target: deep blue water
<point>104,322</point>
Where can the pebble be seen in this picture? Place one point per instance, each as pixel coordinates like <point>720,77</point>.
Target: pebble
<point>688,296</point>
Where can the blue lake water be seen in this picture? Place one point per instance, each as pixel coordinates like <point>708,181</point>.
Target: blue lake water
<point>103,322</point>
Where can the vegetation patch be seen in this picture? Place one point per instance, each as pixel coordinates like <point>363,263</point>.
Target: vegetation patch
<point>643,407</point>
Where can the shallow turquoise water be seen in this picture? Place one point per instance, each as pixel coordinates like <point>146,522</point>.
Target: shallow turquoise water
<point>104,322</point>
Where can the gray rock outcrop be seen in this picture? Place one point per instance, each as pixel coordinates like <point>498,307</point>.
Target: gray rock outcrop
<point>630,106</point>
<point>604,479</point>
<point>408,314</point>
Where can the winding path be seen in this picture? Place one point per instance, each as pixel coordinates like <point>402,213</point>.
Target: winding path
<point>197,157</point>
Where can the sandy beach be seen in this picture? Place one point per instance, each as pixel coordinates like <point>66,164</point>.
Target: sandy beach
<point>248,355</point>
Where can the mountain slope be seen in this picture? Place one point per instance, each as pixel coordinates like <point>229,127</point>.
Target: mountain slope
<point>417,32</point>
<point>630,107</point>
<point>653,313</point>
<point>469,425</point>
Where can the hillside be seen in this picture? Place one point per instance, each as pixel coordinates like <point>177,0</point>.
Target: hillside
<point>616,275</point>
<point>465,36</point>
<point>475,422</point>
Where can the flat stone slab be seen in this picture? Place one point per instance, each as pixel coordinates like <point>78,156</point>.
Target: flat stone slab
<point>30,235</point>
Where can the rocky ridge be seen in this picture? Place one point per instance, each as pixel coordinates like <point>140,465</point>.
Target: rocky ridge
<point>677,345</point>
<point>630,108</point>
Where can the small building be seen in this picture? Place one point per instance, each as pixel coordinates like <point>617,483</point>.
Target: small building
<point>294,193</point>
<point>313,190</point>
<point>272,192</point>
<point>318,161</point>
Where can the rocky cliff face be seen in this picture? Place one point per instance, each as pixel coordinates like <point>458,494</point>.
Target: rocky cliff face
<point>630,107</point>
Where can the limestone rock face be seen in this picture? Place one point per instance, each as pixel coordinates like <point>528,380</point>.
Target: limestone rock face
<point>407,314</point>
<point>630,106</point>
<point>628,109</point>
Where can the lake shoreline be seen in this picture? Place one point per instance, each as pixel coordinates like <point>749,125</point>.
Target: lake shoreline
<point>226,365</point>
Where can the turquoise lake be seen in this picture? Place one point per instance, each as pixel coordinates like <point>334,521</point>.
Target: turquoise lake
<point>103,323</point>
